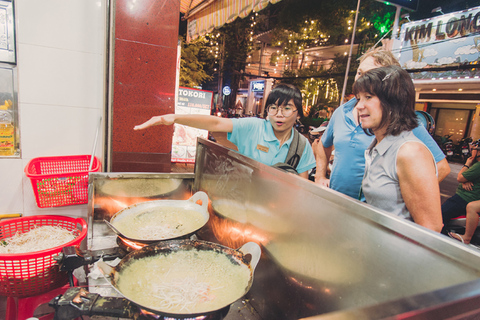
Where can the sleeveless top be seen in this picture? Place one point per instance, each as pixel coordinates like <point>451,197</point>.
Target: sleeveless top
<point>380,182</point>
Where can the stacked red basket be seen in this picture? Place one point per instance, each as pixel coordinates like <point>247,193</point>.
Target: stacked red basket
<point>61,181</point>
<point>29,274</point>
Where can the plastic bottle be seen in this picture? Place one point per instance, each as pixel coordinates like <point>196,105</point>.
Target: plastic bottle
<point>7,131</point>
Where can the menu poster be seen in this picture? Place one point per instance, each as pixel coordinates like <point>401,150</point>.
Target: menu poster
<point>184,143</point>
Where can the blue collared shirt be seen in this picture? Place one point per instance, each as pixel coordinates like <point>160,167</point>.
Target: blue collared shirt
<point>255,138</point>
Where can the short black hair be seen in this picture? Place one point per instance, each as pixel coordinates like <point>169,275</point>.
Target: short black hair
<point>395,89</point>
<point>282,93</point>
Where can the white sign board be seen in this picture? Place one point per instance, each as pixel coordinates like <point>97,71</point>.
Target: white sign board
<point>449,40</point>
<point>184,143</point>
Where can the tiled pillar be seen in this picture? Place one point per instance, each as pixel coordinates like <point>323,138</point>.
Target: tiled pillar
<point>145,54</point>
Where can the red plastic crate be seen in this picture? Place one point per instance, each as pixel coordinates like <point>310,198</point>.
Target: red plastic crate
<point>60,181</point>
<point>29,274</point>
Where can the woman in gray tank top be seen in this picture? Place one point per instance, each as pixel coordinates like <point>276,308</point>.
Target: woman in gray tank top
<point>400,172</point>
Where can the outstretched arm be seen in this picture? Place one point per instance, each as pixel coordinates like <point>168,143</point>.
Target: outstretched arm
<point>210,123</point>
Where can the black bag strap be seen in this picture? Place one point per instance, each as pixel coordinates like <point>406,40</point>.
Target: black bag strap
<point>296,149</point>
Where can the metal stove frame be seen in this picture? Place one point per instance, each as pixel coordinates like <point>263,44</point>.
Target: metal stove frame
<point>376,266</point>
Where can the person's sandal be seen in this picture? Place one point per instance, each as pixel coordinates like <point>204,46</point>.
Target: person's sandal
<point>453,234</point>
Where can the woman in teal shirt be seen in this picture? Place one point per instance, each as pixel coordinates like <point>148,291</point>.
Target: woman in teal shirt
<point>266,141</point>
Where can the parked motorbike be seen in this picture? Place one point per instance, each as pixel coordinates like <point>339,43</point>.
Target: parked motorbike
<point>448,147</point>
<point>446,144</point>
<point>300,127</point>
<point>462,149</point>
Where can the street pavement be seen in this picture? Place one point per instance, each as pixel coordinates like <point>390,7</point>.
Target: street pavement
<point>449,185</point>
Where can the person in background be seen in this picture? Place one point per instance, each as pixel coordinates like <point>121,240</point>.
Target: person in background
<point>314,137</point>
<point>473,212</point>
<point>265,140</point>
<point>468,191</point>
<point>400,172</point>
<point>317,133</point>
<point>345,134</point>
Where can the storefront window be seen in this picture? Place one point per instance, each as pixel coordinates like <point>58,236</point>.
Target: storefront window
<point>452,122</point>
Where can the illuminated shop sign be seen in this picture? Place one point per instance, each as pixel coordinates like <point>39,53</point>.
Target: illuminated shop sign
<point>258,86</point>
<point>226,90</point>
<point>447,40</point>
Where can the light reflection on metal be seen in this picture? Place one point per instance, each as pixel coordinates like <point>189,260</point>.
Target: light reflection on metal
<point>234,234</point>
<point>131,244</point>
<point>300,283</point>
<point>112,205</point>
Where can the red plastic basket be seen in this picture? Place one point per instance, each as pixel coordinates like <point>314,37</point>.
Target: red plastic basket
<point>60,181</point>
<point>29,274</point>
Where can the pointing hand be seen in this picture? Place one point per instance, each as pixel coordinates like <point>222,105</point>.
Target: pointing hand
<point>166,120</point>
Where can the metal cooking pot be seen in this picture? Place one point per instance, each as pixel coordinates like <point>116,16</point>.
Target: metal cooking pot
<point>142,207</point>
<point>139,187</point>
<point>236,256</point>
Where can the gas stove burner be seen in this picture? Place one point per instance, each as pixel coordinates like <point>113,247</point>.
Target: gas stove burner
<point>217,315</point>
<point>76,302</point>
<point>129,245</point>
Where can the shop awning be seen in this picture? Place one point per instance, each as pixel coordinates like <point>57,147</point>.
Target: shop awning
<point>205,15</point>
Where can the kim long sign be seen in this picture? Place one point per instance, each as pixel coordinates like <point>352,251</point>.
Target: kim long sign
<point>446,40</point>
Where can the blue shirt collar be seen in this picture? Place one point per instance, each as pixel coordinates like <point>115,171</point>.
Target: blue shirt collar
<point>348,108</point>
<point>270,136</point>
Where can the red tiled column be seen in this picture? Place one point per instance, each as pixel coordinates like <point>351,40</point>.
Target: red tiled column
<point>145,54</point>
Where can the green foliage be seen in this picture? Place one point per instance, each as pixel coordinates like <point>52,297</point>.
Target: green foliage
<point>312,122</point>
<point>324,86</point>
<point>325,23</point>
<point>376,21</point>
<point>339,67</point>
<point>294,27</point>
<point>194,57</point>
<point>236,47</point>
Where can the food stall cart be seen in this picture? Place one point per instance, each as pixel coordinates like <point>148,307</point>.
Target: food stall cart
<point>324,255</point>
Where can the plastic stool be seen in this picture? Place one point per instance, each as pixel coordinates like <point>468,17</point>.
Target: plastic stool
<point>24,308</point>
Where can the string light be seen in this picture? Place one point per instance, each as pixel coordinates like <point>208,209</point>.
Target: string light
<point>289,53</point>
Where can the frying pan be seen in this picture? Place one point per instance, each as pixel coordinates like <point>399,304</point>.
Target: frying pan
<point>163,249</point>
<point>142,208</point>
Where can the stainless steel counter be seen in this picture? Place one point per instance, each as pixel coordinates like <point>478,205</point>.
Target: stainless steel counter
<point>325,255</point>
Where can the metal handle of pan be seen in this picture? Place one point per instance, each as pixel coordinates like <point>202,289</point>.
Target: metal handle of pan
<point>114,229</point>
<point>104,268</point>
<point>200,195</point>
<point>252,249</point>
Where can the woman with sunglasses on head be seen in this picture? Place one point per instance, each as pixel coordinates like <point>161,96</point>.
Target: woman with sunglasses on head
<point>400,172</point>
<point>267,141</point>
